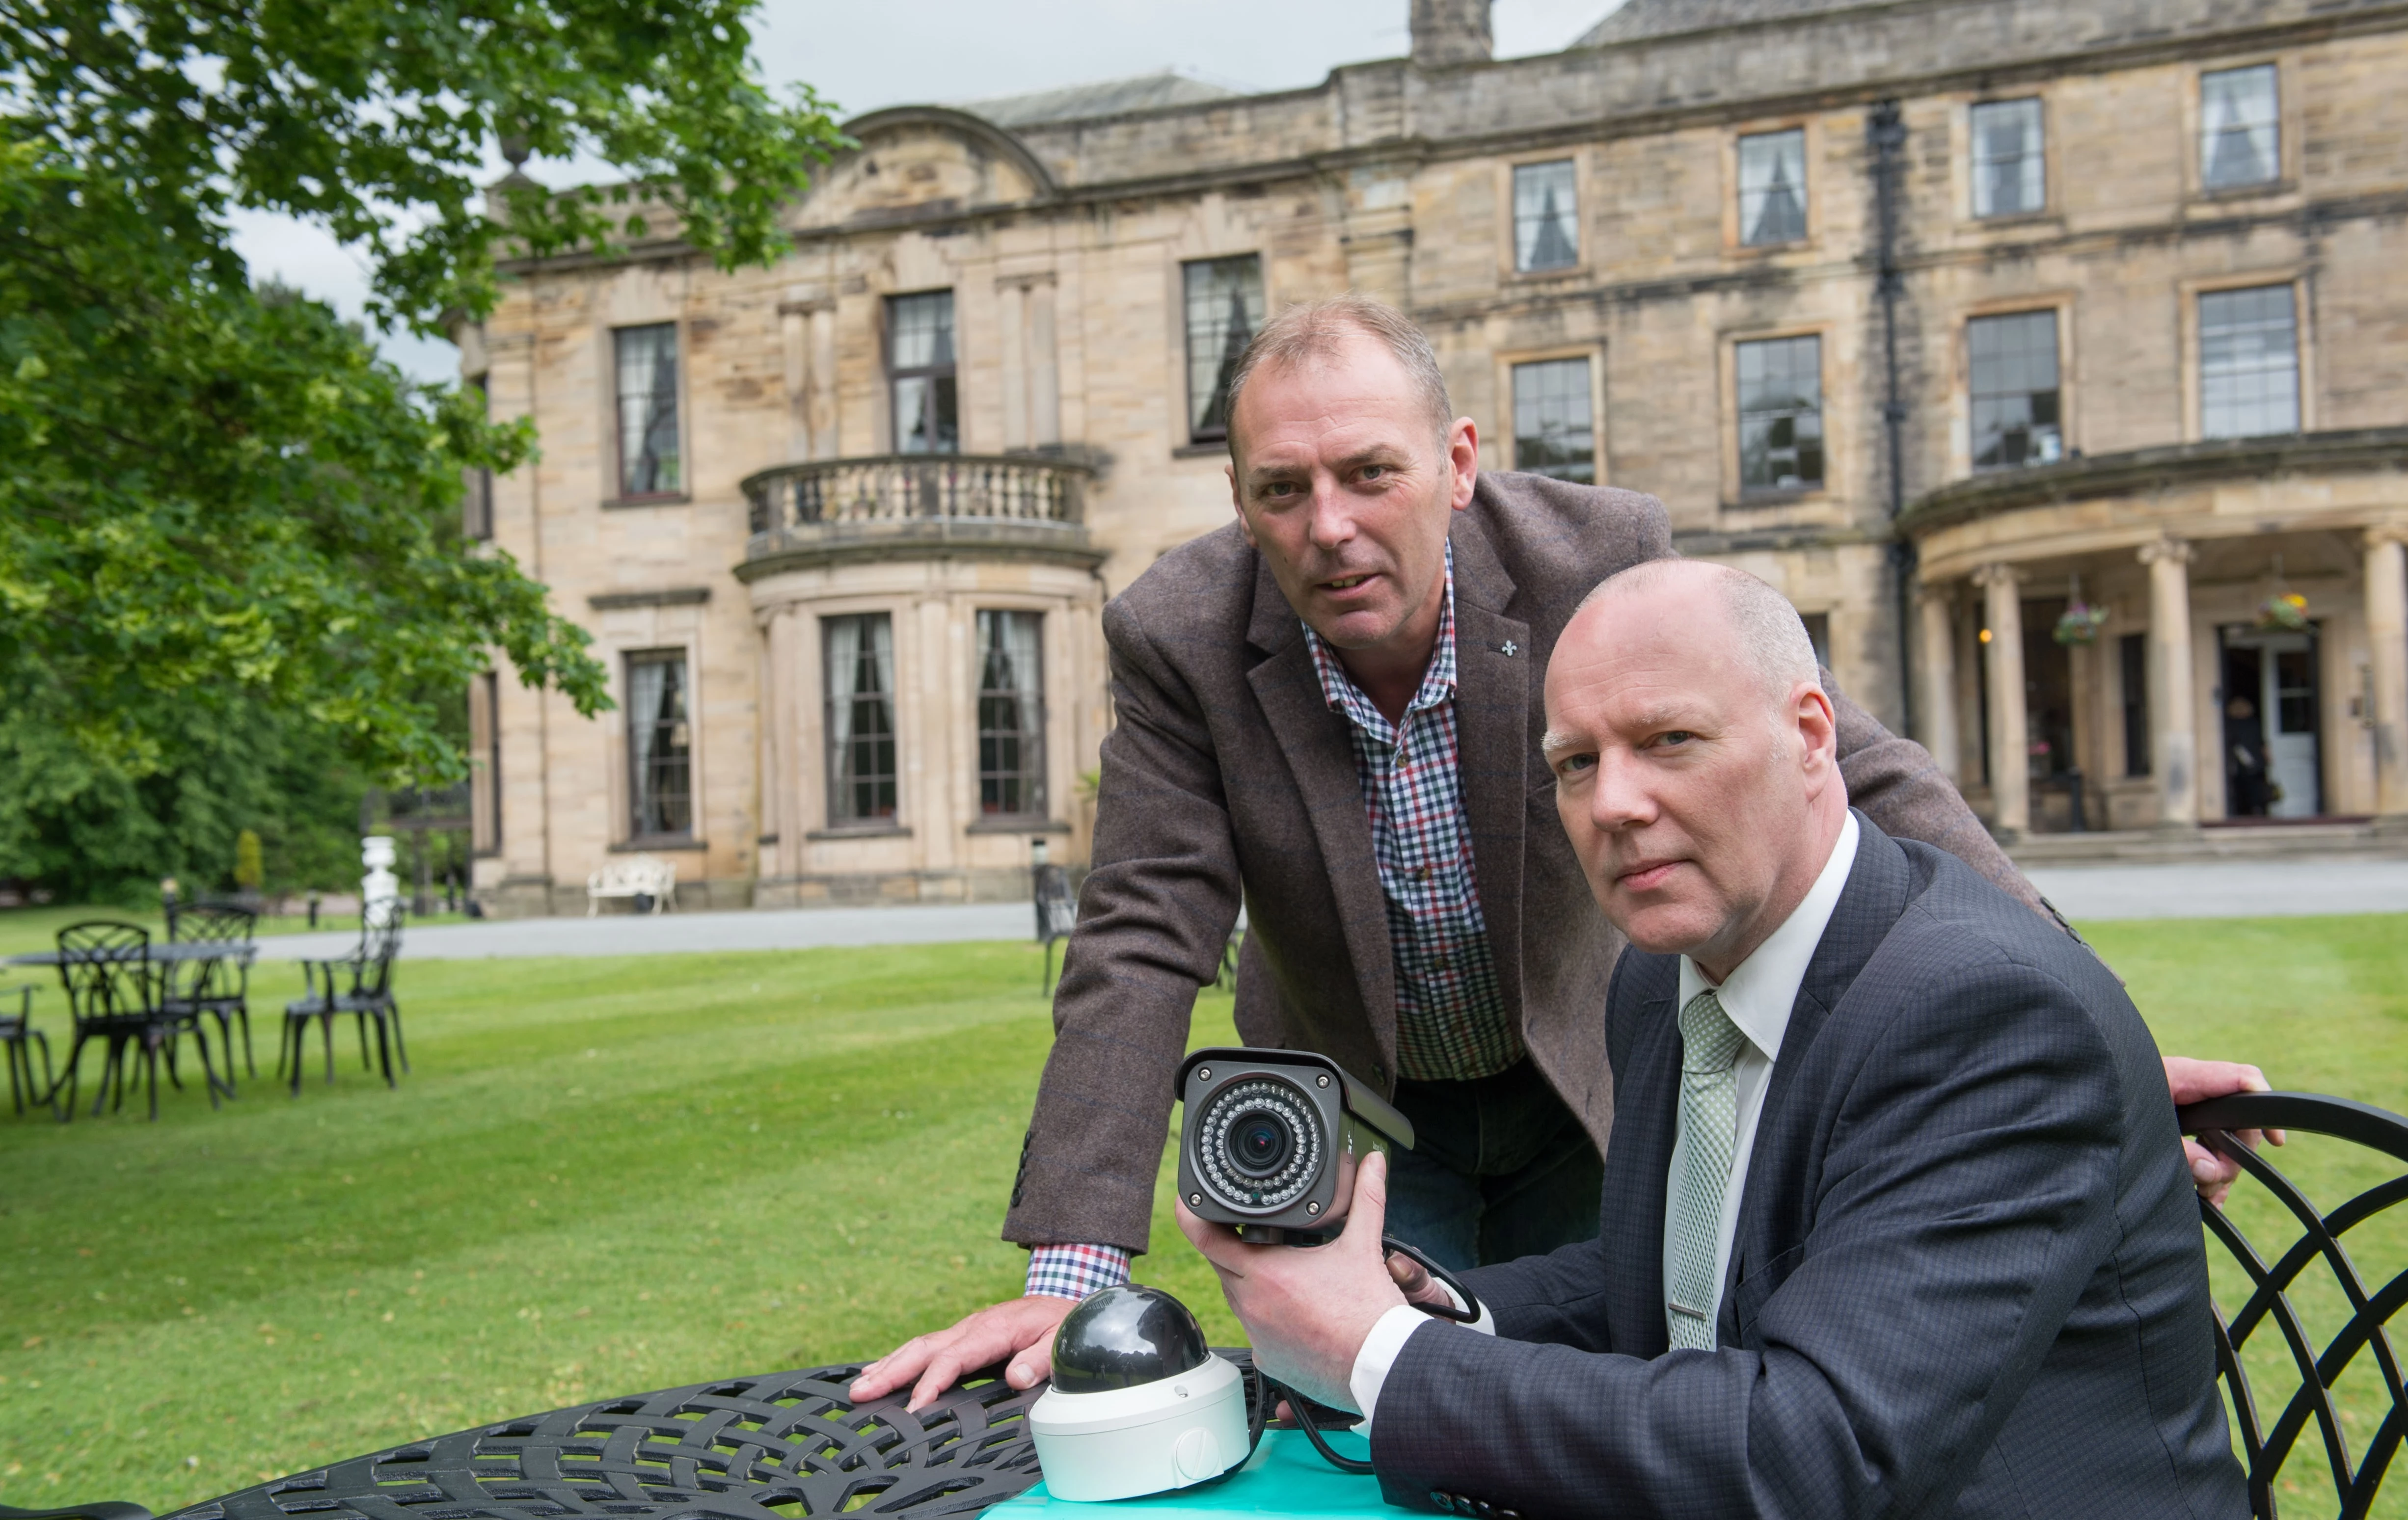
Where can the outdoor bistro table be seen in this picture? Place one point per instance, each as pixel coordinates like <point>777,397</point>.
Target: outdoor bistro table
<point>785,1446</point>
<point>170,953</point>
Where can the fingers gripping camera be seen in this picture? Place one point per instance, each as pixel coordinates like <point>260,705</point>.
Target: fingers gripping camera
<point>1271,1140</point>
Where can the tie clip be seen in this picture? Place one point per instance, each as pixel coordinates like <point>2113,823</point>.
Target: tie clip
<point>1679,1307</point>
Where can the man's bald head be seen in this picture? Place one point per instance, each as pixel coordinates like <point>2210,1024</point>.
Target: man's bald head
<point>1767,634</point>
<point>1696,757</point>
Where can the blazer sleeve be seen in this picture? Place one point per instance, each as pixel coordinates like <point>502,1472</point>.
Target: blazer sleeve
<point>1966,1196</point>
<point>1155,917</point>
<point>1899,786</point>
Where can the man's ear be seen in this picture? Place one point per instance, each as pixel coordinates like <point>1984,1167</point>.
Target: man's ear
<point>1237,504</point>
<point>1818,733</point>
<point>1463,460</point>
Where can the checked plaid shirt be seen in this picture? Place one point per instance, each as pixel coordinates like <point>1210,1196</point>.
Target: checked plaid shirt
<point>1450,1018</point>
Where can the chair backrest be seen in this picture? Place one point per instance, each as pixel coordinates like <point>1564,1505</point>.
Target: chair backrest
<point>2306,1384</point>
<point>379,944</point>
<point>210,923</point>
<point>106,968</point>
<point>1057,908</point>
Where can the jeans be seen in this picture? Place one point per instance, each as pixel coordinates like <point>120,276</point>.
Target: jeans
<point>1499,1169</point>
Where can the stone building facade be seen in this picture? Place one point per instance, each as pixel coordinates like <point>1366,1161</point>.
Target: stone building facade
<point>2052,359</point>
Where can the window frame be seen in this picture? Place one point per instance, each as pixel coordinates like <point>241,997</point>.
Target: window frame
<point>1735,202</point>
<point>2194,345</point>
<point>2286,132</point>
<point>1508,365</point>
<point>633,810</point>
<point>1741,495</point>
<point>1511,216</point>
<point>477,500</point>
<point>1197,436</point>
<point>935,373</point>
<point>683,491</point>
<point>1033,773</point>
<point>2049,178</point>
<point>485,764</point>
<point>2060,312</point>
<point>836,822</point>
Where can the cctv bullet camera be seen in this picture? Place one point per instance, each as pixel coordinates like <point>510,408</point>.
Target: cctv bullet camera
<point>1271,1140</point>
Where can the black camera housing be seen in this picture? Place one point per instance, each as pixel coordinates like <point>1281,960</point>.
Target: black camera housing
<point>1271,1137</point>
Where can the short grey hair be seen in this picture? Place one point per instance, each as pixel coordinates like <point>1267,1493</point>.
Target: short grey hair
<point>1315,329</point>
<point>1772,639</point>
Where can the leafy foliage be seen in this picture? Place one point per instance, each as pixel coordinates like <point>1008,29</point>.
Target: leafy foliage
<point>223,522</point>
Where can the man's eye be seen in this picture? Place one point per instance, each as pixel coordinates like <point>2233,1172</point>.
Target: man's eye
<point>1372,472</point>
<point>1574,764</point>
<point>1673,736</point>
<point>1278,490</point>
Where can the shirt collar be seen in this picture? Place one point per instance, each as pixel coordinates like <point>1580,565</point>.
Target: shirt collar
<point>1339,690</point>
<point>1762,989</point>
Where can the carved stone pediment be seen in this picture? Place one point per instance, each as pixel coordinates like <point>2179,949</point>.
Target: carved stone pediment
<point>922,164</point>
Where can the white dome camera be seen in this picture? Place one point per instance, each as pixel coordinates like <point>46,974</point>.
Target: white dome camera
<point>1139,1405</point>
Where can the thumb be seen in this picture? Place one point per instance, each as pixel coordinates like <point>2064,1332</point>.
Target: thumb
<point>1366,1216</point>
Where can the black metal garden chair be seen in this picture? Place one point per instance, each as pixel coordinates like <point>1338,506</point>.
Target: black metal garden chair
<point>113,996</point>
<point>2270,1312</point>
<point>217,988</point>
<point>17,1038</point>
<point>360,985</point>
<point>1057,915</point>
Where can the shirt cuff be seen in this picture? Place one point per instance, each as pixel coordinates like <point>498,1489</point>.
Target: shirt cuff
<point>1386,1341</point>
<point>1074,1272</point>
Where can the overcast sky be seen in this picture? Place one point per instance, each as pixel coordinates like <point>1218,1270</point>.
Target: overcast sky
<point>861,57</point>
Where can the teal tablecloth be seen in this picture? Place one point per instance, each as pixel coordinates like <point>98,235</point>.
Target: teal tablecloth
<point>1286,1477</point>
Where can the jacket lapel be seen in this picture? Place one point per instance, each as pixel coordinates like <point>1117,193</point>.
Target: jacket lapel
<point>1638,1165</point>
<point>1320,756</point>
<point>1494,671</point>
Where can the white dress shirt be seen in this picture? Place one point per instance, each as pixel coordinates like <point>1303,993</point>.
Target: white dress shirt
<point>1758,996</point>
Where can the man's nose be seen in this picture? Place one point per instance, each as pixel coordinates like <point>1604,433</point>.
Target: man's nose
<point>1620,799</point>
<point>1333,516</point>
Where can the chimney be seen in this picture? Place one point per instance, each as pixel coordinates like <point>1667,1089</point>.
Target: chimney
<point>1452,32</point>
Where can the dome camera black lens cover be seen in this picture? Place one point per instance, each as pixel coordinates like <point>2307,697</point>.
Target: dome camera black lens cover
<point>1126,1337</point>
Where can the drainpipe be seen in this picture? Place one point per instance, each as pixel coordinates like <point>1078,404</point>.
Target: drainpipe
<point>1885,131</point>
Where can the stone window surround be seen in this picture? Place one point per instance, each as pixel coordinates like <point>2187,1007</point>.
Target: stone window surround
<point>1960,390</point>
<point>2289,135</point>
<point>1961,158</point>
<point>616,648</point>
<point>606,337</point>
<point>1583,232</point>
<point>2303,328</point>
<point>1506,359</point>
<point>1835,484</point>
<point>1818,178</point>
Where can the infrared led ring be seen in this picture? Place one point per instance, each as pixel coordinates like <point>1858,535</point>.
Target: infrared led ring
<point>1261,1146</point>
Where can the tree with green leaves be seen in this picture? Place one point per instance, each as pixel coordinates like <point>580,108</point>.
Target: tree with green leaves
<point>218,506</point>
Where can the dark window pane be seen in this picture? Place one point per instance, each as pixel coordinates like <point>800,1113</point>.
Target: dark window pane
<point>1546,216</point>
<point>860,661</point>
<point>2239,127</point>
<point>660,745</point>
<point>2009,172</point>
<point>649,463</point>
<point>920,365</point>
<point>2248,363</point>
<point>2014,389</point>
<point>1553,432</point>
<point>1780,414</point>
<point>1011,714</point>
<point>2132,652</point>
<point>1224,306</point>
<point>1772,187</point>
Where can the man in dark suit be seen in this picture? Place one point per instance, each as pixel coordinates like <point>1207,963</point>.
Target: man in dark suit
<point>1330,711</point>
<point>1899,1222</point>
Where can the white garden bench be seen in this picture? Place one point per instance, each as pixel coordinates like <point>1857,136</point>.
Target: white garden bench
<point>633,876</point>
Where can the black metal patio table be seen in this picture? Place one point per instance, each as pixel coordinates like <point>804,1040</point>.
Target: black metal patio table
<point>170,953</point>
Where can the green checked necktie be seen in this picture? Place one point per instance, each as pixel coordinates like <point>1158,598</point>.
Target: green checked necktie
<point>1709,1043</point>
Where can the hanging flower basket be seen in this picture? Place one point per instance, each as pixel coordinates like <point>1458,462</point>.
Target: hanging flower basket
<point>2286,613</point>
<point>2080,623</point>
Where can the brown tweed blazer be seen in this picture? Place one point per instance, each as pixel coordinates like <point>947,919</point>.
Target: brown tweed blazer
<point>1229,773</point>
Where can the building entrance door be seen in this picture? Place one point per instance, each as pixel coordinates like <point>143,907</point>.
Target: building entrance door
<point>2273,765</point>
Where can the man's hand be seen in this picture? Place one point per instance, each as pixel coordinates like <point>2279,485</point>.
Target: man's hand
<point>1020,1329</point>
<point>2195,1082</point>
<point>1308,1310</point>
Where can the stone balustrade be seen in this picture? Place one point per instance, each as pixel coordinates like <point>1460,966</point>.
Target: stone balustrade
<point>917,488</point>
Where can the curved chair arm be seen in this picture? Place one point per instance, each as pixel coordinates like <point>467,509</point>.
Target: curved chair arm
<point>2361,1123</point>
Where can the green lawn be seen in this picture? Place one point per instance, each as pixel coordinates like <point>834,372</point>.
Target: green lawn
<point>613,1176</point>
<point>37,928</point>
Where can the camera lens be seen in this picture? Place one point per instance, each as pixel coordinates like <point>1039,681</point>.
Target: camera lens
<point>1259,1143</point>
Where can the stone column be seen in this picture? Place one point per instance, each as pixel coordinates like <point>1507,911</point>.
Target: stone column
<point>2387,641</point>
<point>2173,707</point>
<point>1045,369</point>
<point>1938,606</point>
<point>1011,298</point>
<point>2010,725</point>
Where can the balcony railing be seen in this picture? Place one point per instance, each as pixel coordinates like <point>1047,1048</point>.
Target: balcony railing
<point>903,493</point>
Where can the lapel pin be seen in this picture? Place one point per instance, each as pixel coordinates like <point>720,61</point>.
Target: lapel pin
<point>1510,648</point>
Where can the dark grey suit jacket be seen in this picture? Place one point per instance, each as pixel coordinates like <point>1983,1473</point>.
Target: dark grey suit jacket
<point>1968,1277</point>
<point>1227,771</point>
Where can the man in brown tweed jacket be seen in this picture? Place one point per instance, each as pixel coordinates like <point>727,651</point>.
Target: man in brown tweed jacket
<point>1330,711</point>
